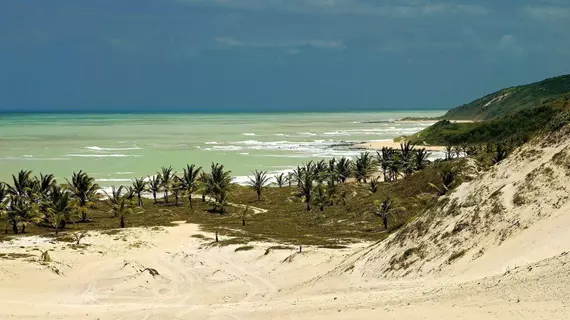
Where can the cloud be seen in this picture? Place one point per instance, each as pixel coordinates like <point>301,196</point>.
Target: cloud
<point>293,46</point>
<point>550,12</point>
<point>230,42</point>
<point>391,8</point>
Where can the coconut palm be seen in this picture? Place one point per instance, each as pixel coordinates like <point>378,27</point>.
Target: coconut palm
<point>280,179</point>
<point>305,181</point>
<point>115,197</point>
<point>121,209</point>
<point>22,213</point>
<point>406,154</point>
<point>383,210</point>
<point>217,185</point>
<point>321,196</point>
<point>290,177</point>
<point>154,184</point>
<point>421,159</point>
<point>44,185</point>
<point>374,184</point>
<point>320,170</point>
<point>190,180</point>
<point>166,175</point>
<point>130,195</point>
<point>177,186</point>
<point>395,166</point>
<point>365,166</point>
<point>385,157</point>
<point>500,154</point>
<point>447,177</point>
<point>22,184</point>
<point>83,189</point>
<point>449,152</point>
<point>139,186</point>
<point>60,208</point>
<point>258,182</point>
<point>343,169</point>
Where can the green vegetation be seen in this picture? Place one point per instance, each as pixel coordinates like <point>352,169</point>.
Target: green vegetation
<point>511,100</point>
<point>519,126</point>
<point>345,210</point>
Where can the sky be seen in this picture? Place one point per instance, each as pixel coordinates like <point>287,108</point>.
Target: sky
<point>273,55</point>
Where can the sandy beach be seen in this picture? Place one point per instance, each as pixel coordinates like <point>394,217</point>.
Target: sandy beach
<point>379,144</point>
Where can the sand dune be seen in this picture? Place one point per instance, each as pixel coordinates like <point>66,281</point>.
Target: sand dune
<point>497,248</point>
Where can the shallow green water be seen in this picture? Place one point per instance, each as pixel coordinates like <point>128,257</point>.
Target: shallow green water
<point>114,148</point>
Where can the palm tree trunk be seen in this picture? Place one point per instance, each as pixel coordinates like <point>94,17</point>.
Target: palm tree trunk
<point>176,199</point>
<point>140,200</point>
<point>203,198</point>
<point>14,227</point>
<point>308,206</point>
<point>258,196</point>
<point>165,196</point>
<point>23,228</point>
<point>122,224</point>
<point>190,199</point>
<point>154,196</point>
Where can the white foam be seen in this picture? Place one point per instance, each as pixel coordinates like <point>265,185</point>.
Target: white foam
<point>95,148</point>
<point>128,172</point>
<point>117,155</point>
<point>248,134</point>
<point>114,180</point>
<point>211,142</point>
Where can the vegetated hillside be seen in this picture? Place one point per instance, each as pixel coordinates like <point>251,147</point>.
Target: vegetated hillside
<point>520,126</point>
<point>513,215</point>
<point>510,100</point>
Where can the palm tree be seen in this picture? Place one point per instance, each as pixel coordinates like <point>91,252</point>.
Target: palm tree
<point>190,180</point>
<point>154,184</point>
<point>139,186</point>
<point>217,184</point>
<point>121,210</point>
<point>383,210</point>
<point>500,154</point>
<point>447,176</point>
<point>115,197</point>
<point>364,167</point>
<point>84,189</point>
<point>448,152</point>
<point>177,187</point>
<point>166,175</point>
<point>395,166</point>
<point>258,182</point>
<point>60,208</point>
<point>22,212</point>
<point>385,157</point>
<point>290,177</point>
<point>130,195</point>
<point>406,152</point>
<point>22,184</point>
<point>280,179</point>
<point>321,196</point>
<point>305,181</point>
<point>343,169</point>
<point>374,184</point>
<point>44,185</point>
<point>421,159</point>
<point>320,171</point>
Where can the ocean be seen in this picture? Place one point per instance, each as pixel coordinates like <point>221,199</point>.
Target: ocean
<point>115,148</point>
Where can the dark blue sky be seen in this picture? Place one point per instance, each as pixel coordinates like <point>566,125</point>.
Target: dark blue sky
<point>233,55</point>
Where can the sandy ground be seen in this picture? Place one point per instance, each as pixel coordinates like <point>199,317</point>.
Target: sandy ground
<point>379,144</point>
<point>105,280</point>
<point>497,248</point>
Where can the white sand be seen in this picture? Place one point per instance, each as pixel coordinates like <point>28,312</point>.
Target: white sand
<point>515,265</point>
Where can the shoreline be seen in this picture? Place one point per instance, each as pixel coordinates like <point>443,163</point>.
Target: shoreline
<point>379,144</point>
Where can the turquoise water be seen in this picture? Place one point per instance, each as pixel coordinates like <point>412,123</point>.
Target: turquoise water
<point>115,148</point>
